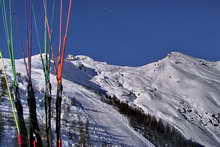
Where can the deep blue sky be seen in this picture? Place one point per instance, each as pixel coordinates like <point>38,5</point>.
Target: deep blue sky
<point>136,32</point>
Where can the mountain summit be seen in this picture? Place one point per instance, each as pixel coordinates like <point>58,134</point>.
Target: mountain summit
<point>180,90</point>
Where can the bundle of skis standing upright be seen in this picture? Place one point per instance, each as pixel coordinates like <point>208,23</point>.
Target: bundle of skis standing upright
<point>32,136</point>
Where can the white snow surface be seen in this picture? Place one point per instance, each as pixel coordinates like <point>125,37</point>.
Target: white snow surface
<point>182,90</point>
<point>79,104</point>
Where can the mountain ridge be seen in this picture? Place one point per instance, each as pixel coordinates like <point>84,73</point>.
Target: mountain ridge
<point>179,89</point>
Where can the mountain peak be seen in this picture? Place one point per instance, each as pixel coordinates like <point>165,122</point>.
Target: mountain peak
<point>179,89</point>
<point>79,57</point>
<point>178,55</point>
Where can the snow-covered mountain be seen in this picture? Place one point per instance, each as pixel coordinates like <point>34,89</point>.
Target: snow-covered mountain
<point>181,90</point>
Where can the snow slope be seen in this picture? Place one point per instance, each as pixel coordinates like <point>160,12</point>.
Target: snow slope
<point>79,106</point>
<point>182,90</point>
